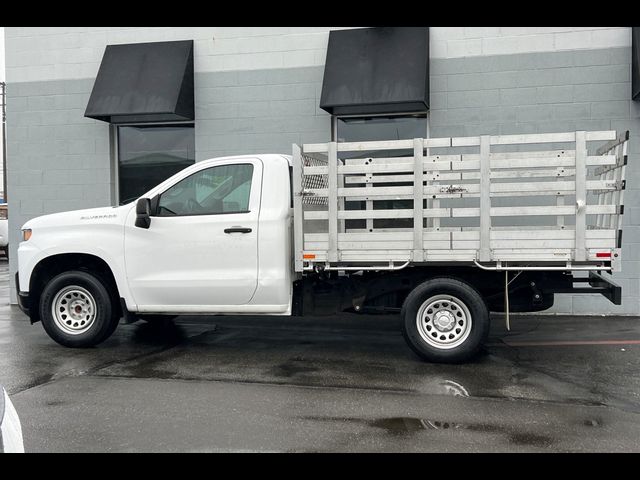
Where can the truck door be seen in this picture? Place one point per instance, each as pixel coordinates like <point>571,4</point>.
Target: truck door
<point>201,250</point>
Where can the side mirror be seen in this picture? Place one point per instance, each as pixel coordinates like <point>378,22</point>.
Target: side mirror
<point>143,213</point>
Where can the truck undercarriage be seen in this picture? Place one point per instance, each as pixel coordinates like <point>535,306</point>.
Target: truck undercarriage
<point>329,293</point>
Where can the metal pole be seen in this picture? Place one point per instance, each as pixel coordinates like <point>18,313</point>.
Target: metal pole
<point>4,141</point>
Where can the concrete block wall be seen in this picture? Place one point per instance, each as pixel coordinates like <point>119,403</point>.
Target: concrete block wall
<point>455,42</point>
<point>2,78</point>
<point>257,89</point>
<point>259,111</point>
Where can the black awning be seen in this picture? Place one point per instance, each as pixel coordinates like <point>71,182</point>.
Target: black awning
<point>635,63</point>
<point>144,82</point>
<point>376,70</point>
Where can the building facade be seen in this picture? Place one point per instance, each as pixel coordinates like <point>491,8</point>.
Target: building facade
<point>260,89</point>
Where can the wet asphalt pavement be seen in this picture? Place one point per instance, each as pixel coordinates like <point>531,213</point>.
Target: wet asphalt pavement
<point>218,384</point>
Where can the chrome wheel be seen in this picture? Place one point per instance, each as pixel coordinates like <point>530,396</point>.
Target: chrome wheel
<point>444,321</point>
<point>74,310</point>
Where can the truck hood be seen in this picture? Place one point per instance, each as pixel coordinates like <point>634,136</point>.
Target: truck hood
<point>100,216</point>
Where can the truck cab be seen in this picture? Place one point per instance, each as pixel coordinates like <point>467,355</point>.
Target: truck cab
<point>214,238</point>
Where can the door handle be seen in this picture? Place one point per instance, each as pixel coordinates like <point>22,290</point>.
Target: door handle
<point>237,230</point>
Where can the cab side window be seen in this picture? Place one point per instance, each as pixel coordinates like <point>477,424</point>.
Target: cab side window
<point>213,191</point>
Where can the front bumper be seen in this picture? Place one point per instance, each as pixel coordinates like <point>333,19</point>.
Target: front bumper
<point>24,302</point>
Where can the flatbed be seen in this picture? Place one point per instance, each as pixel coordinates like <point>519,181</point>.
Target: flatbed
<point>507,201</point>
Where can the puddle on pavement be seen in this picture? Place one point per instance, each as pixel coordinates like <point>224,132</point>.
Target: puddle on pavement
<point>409,426</point>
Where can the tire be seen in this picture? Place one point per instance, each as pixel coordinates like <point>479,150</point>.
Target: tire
<point>453,336</point>
<point>85,313</point>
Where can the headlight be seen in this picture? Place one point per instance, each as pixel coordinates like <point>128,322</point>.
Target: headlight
<point>26,234</point>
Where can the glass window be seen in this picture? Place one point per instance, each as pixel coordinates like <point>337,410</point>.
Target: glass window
<point>149,154</point>
<point>216,190</point>
<point>363,129</point>
<point>366,129</point>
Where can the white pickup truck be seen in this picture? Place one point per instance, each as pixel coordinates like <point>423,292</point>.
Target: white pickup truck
<point>440,230</point>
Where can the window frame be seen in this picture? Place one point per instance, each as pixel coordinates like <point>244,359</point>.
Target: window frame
<point>156,200</point>
<point>336,118</point>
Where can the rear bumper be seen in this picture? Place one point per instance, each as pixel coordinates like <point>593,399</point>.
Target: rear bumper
<point>606,287</point>
<point>24,302</point>
<point>597,284</point>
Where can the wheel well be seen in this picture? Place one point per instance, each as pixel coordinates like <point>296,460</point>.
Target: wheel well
<point>52,266</point>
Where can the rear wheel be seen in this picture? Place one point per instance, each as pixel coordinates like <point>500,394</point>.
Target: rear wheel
<point>77,310</point>
<point>445,320</point>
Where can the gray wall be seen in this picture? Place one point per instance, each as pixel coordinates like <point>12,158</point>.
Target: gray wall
<point>258,111</point>
<point>58,160</point>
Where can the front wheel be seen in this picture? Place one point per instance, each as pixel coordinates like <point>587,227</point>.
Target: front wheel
<point>445,320</point>
<point>77,310</point>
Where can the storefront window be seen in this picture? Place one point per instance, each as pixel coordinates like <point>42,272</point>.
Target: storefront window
<point>365,129</point>
<point>362,129</point>
<point>149,154</point>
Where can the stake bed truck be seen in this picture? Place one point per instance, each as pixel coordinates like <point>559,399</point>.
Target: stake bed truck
<point>439,230</point>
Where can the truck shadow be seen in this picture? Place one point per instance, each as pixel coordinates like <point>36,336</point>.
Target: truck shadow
<point>159,333</point>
